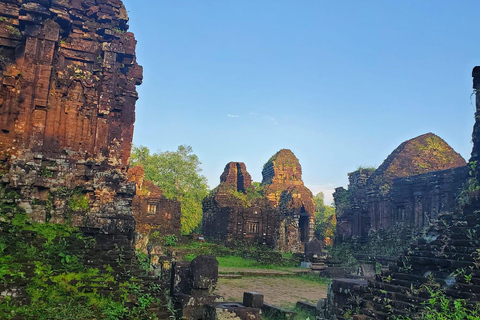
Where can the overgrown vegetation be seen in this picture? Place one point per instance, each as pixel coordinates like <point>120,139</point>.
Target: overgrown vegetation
<point>247,198</point>
<point>441,307</point>
<point>471,189</point>
<point>13,31</point>
<point>386,242</point>
<point>325,219</point>
<point>41,261</point>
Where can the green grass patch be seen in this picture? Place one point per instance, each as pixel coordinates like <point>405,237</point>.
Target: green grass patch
<point>314,278</point>
<point>236,262</point>
<point>243,263</point>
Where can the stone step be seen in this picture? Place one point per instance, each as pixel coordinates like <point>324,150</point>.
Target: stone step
<point>318,266</point>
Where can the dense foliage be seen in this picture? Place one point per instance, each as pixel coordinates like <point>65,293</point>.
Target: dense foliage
<point>325,219</point>
<point>177,173</point>
<point>43,263</point>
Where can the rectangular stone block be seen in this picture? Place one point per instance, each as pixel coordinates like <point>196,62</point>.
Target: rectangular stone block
<point>253,299</point>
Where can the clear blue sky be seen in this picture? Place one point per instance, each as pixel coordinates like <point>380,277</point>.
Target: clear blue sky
<point>340,83</point>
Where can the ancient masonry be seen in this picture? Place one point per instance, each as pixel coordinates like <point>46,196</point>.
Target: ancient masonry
<point>280,215</point>
<point>445,257</point>
<point>155,215</point>
<point>68,77</point>
<point>418,181</point>
<point>67,108</point>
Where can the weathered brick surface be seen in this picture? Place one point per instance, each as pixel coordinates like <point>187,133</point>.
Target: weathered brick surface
<point>418,181</point>
<point>446,256</point>
<point>153,212</point>
<point>67,106</point>
<point>281,217</point>
<point>228,212</point>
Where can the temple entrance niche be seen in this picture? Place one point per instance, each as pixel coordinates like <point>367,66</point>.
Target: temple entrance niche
<point>303,223</point>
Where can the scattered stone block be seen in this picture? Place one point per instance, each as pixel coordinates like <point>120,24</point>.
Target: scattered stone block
<point>253,299</point>
<point>204,270</point>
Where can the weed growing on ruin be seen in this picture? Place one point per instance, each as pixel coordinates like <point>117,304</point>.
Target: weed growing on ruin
<point>439,306</point>
<point>14,31</point>
<point>476,259</point>
<point>471,189</point>
<point>144,260</point>
<point>170,240</point>
<point>44,172</point>
<point>391,242</point>
<point>78,202</point>
<point>118,30</point>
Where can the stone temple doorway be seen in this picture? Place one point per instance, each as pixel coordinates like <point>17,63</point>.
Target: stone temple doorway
<point>304,227</point>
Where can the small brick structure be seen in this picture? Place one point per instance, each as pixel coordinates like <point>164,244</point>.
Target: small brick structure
<point>153,212</point>
<point>280,215</point>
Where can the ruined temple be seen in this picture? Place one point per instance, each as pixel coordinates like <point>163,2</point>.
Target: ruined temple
<point>68,77</point>
<point>67,108</point>
<point>279,214</point>
<point>419,180</point>
<point>445,257</point>
<point>155,215</point>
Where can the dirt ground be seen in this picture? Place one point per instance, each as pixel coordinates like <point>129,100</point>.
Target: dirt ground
<point>280,291</point>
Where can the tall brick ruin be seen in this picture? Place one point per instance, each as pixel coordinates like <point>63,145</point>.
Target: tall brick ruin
<point>280,215</point>
<point>67,106</point>
<point>68,77</point>
<point>418,181</point>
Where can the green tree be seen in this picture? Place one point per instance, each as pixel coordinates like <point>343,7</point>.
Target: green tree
<point>177,173</point>
<point>325,219</point>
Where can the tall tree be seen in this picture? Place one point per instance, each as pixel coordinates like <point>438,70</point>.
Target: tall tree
<point>325,219</point>
<point>177,173</point>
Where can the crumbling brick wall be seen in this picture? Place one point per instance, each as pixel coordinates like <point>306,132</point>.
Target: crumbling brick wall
<point>68,77</point>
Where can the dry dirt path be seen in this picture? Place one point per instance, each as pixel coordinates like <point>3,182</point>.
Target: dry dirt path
<point>279,291</point>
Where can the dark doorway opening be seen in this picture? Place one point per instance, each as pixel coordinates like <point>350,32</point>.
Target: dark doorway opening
<point>240,179</point>
<point>304,228</point>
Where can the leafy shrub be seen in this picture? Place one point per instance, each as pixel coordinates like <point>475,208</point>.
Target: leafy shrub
<point>144,260</point>
<point>441,307</point>
<point>171,240</point>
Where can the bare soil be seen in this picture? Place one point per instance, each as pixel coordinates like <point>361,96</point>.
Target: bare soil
<point>280,291</point>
